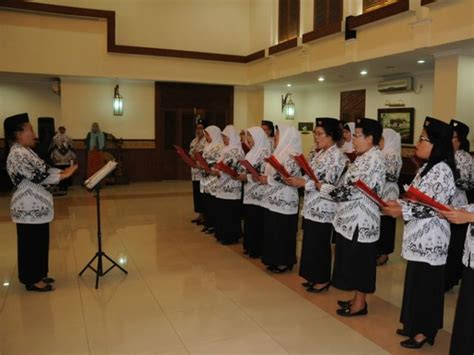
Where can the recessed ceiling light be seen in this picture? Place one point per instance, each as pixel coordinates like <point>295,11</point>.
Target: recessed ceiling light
<point>363,72</point>
<point>289,85</point>
<point>321,78</point>
<point>6,284</point>
<point>421,61</point>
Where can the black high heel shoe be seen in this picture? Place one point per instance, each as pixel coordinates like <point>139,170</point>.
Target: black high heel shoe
<point>33,287</point>
<point>278,270</point>
<point>308,284</point>
<point>346,312</point>
<point>413,344</point>
<point>344,304</point>
<point>312,289</point>
<point>402,332</point>
<point>48,280</point>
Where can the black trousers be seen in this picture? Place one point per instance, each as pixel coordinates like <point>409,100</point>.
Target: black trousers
<point>386,242</point>
<point>209,207</point>
<point>197,198</point>
<point>315,261</point>
<point>462,340</point>
<point>228,222</point>
<point>253,230</point>
<point>423,299</point>
<point>454,264</point>
<point>355,266</point>
<point>33,252</point>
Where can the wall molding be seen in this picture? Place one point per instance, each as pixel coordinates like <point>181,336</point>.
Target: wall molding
<point>426,2</point>
<point>79,144</point>
<point>283,46</point>
<point>323,31</point>
<point>375,15</point>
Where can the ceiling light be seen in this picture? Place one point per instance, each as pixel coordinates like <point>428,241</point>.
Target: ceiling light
<point>321,78</point>
<point>421,61</point>
<point>288,85</point>
<point>6,284</point>
<point>363,72</point>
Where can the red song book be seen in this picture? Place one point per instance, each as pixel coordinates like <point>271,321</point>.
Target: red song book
<point>185,156</point>
<point>202,162</point>
<point>362,186</point>
<point>303,164</point>
<point>249,167</point>
<point>277,166</point>
<point>415,195</point>
<point>245,147</point>
<point>227,169</point>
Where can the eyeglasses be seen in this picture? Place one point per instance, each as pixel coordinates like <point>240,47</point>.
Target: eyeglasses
<point>424,139</point>
<point>317,134</point>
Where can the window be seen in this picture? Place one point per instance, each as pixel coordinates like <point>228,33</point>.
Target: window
<point>288,19</point>
<point>327,12</point>
<point>369,5</point>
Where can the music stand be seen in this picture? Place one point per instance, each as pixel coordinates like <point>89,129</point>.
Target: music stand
<point>93,184</point>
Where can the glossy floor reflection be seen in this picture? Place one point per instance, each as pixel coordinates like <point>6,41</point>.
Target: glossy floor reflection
<point>184,293</point>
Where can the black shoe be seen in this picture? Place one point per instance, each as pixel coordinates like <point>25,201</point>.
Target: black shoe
<point>344,304</point>
<point>204,230</point>
<point>346,312</point>
<point>312,289</point>
<point>48,280</point>
<point>402,332</point>
<point>195,220</point>
<point>280,270</point>
<point>383,262</point>
<point>308,284</point>
<point>254,256</point>
<point>33,287</point>
<point>271,267</point>
<point>209,231</point>
<point>413,344</point>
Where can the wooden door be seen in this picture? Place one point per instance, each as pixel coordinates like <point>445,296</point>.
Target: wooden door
<point>352,105</point>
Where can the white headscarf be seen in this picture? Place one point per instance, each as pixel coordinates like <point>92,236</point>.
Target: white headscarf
<point>234,140</point>
<point>215,134</point>
<point>348,147</point>
<point>260,143</point>
<point>392,142</point>
<point>289,143</point>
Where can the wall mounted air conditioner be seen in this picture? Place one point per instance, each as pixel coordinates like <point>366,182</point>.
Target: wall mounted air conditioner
<point>401,84</point>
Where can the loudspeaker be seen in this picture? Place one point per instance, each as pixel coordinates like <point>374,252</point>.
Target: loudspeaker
<point>45,136</point>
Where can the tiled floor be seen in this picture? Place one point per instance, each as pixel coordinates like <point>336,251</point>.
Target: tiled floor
<point>184,293</point>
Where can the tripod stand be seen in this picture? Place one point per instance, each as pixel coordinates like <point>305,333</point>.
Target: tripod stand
<point>99,254</point>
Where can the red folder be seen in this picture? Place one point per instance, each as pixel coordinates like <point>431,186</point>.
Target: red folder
<point>246,164</point>
<point>415,195</point>
<point>202,162</point>
<point>245,147</point>
<point>362,186</point>
<point>303,164</point>
<point>277,166</point>
<point>185,156</point>
<point>227,169</point>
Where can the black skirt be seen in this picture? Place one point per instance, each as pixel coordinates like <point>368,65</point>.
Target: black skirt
<point>279,241</point>
<point>253,230</point>
<point>315,261</point>
<point>462,341</point>
<point>423,299</point>
<point>454,264</point>
<point>197,199</point>
<point>33,252</point>
<point>209,209</point>
<point>228,225</point>
<point>355,266</point>
<point>386,243</point>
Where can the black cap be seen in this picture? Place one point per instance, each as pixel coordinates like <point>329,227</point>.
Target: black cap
<point>369,126</point>
<point>270,125</point>
<point>201,121</point>
<point>438,131</point>
<point>461,128</point>
<point>327,123</point>
<point>14,124</point>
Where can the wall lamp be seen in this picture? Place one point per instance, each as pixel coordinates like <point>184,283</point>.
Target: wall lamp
<point>117,102</point>
<point>288,106</point>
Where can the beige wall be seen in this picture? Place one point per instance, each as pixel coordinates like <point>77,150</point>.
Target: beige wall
<point>248,106</point>
<point>197,25</point>
<point>465,94</point>
<point>35,97</point>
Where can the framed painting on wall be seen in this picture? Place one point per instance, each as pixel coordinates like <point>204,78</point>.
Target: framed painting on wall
<point>401,120</point>
<point>305,127</point>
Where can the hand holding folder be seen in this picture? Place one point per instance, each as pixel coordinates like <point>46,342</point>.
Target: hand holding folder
<point>185,156</point>
<point>303,164</point>
<point>366,190</point>
<point>202,162</point>
<point>277,166</point>
<point>249,167</point>
<point>416,196</point>
<point>227,169</point>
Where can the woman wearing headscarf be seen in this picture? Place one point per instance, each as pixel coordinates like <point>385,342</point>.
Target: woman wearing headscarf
<point>281,203</point>
<point>348,130</point>
<point>328,163</point>
<point>254,191</point>
<point>426,236</point>
<point>197,145</point>
<point>465,182</point>
<point>462,340</point>
<point>229,189</point>
<point>31,207</point>
<point>391,146</point>
<point>211,154</point>
<point>357,219</point>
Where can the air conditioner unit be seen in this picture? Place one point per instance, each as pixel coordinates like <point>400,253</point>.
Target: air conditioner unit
<point>402,84</point>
